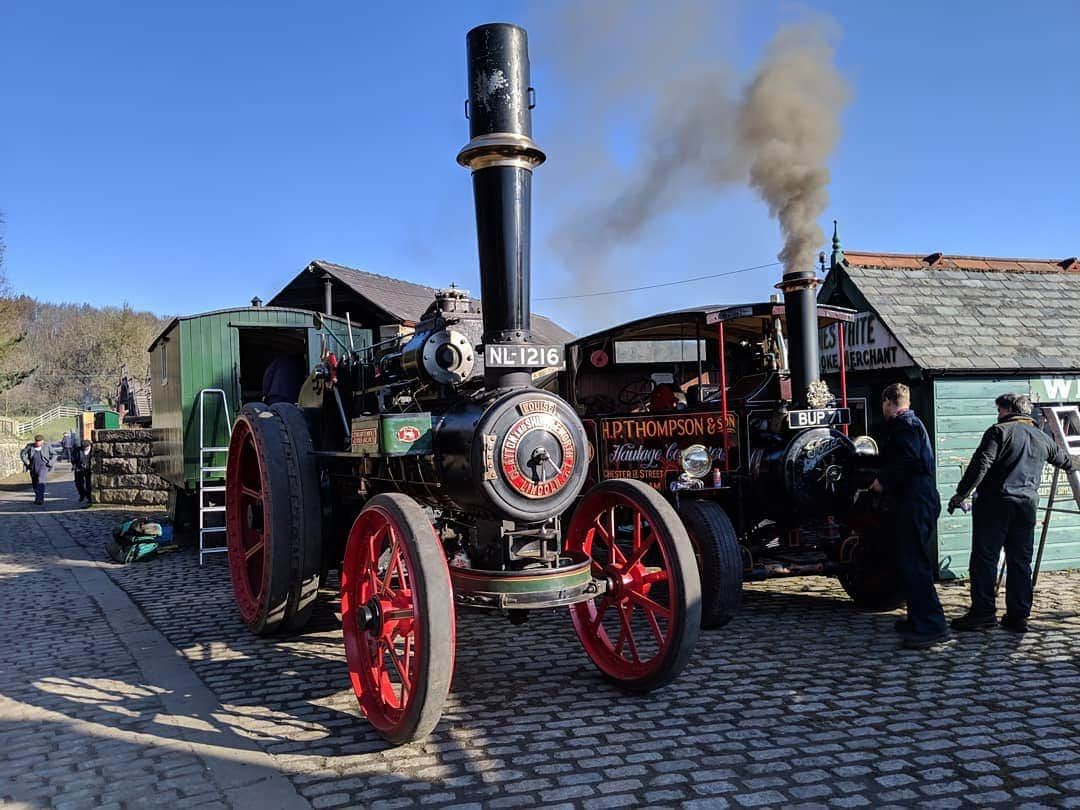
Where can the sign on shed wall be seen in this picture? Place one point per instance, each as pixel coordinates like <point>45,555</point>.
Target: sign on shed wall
<point>868,345</point>
<point>1055,389</point>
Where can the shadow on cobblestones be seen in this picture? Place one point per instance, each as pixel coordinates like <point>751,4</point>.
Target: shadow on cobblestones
<point>802,698</point>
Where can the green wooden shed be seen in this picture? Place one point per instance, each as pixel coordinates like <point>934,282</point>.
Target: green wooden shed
<point>961,330</point>
<point>226,350</point>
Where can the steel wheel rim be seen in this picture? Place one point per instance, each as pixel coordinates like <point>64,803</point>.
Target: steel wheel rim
<point>377,578</point>
<point>642,595</point>
<point>246,520</point>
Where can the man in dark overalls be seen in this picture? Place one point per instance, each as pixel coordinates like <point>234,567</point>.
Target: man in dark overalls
<point>1006,470</point>
<point>906,478</point>
<point>80,465</point>
<point>37,458</point>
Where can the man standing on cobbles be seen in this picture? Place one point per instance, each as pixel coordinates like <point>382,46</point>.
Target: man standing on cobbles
<point>37,458</point>
<point>1005,472</point>
<point>80,464</point>
<point>906,479</point>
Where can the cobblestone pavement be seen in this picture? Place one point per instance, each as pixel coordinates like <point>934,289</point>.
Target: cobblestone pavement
<point>801,700</point>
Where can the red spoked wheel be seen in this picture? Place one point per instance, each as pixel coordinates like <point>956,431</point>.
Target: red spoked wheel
<point>258,519</point>
<point>397,615</point>
<point>642,630</point>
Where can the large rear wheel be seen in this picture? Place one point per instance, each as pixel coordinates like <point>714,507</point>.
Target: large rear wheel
<point>719,559</point>
<point>641,631</point>
<point>397,616</point>
<point>305,512</point>
<point>258,519</point>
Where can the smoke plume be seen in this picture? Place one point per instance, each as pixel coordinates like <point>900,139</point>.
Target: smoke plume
<point>703,135</point>
<point>788,125</point>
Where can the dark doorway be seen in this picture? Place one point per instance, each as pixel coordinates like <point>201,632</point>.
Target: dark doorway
<point>259,347</point>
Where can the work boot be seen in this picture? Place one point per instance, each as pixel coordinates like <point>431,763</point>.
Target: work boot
<point>970,622</point>
<point>920,641</point>
<point>1016,625</point>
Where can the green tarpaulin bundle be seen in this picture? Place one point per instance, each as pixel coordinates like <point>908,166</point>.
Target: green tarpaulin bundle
<point>139,539</point>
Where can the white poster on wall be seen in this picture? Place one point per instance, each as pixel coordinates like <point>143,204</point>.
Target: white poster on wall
<point>868,345</point>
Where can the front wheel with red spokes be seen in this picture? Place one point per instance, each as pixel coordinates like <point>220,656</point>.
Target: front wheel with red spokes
<point>397,616</point>
<point>641,631</point>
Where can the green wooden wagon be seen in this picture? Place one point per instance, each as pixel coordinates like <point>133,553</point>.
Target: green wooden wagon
<point>204,368</point>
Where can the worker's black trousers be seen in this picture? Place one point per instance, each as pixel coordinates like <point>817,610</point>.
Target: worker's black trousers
<point>998,522</point>
<point>82,483</point>
<point>913,524</point>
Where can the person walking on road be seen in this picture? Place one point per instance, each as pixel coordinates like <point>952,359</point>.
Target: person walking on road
<point>906,479</point>
<point>37,458</point>
<point>1005,473</point>
<point>80,463</point>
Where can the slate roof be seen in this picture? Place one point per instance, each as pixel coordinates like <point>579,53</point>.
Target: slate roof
<point>971,313</point>
<point>403,301</point>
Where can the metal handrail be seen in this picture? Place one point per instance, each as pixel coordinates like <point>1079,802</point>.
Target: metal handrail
<point>204,448</point>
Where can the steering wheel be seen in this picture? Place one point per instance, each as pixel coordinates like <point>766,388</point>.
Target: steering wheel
<point>597,404</point>
<point>637,393</point>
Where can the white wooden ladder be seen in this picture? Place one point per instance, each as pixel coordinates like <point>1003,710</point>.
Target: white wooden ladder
<point>211,480</point>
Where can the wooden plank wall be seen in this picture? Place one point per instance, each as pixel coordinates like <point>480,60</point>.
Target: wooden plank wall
<point>963,410</point>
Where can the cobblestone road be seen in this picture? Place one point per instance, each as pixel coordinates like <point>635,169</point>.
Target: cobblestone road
<point>801,700</point>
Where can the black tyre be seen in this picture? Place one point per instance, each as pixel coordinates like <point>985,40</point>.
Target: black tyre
<point>306,514</point>
<point>871,576</point>
<point>641,631</point>
<point>259,520</point>
<point>397,616</point>
<point>719,559</point>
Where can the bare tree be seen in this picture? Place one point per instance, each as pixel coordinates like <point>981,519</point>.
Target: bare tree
<point>14,317</point>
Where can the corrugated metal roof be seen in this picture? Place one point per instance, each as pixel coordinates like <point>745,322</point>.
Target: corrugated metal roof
<point>974,313</point>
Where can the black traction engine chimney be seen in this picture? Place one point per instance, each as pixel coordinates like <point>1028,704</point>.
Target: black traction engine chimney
<point>800,306</point>
<point>502,155</point>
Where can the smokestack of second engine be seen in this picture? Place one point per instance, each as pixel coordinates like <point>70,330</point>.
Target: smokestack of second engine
<point>800,306</point>
<point>502,155</point>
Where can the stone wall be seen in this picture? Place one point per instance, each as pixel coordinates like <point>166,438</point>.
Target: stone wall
<point>122,469</point>
<point>9,458</point>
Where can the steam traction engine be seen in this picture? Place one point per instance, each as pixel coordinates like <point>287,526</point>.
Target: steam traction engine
<point>435,473</point>
<point>722,409</point>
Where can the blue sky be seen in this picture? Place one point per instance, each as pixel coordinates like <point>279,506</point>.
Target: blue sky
<point>185,157</point>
